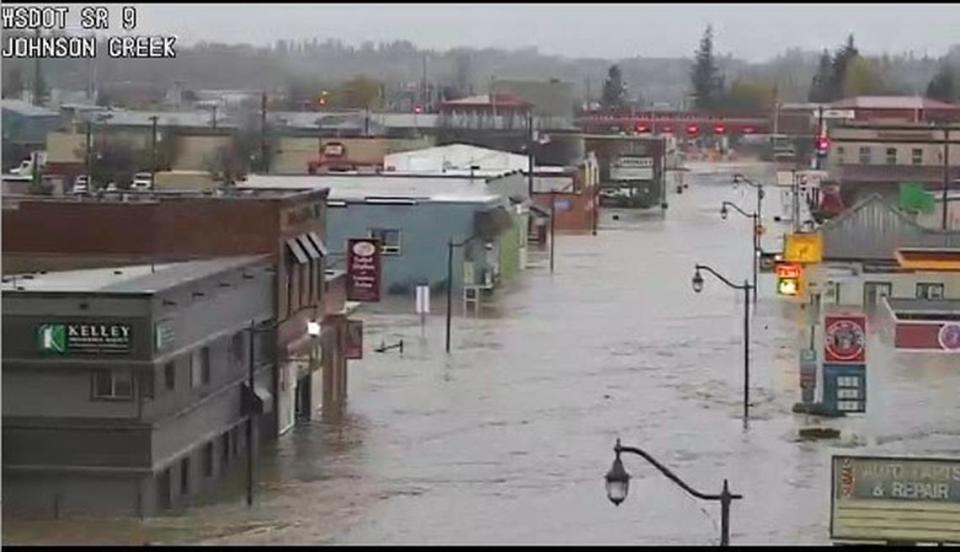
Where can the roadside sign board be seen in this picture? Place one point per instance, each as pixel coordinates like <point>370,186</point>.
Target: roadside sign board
<point>363,270</point>
<point>845,387</point>
<point>901,499</point>
<point>803,248</point>
<point>423,299</point>
<point>845,338</point>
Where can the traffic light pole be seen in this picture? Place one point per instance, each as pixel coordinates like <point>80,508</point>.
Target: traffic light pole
<point>818,154</point>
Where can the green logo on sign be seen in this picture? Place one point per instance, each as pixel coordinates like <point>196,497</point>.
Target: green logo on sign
<point>52,338</point>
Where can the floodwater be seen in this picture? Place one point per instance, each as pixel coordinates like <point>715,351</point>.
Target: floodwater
<point>507,438</point>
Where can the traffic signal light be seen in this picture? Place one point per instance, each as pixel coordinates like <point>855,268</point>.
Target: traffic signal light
<point>788,279</point>
<point>823,145</point>
<point>719,129</point>
<point>418,109</point>
<point>693,129</point>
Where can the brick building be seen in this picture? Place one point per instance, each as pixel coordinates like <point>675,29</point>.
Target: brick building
<point>289,226</point>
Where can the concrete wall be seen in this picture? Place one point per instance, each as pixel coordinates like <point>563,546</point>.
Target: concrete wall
<point>195,152</point>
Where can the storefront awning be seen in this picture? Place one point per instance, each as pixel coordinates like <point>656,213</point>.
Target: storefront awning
<point>297,251</point>
<point>308,246</point>
<point>318,244</point>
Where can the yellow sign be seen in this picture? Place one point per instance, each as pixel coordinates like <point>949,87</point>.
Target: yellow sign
<point>803,248</point>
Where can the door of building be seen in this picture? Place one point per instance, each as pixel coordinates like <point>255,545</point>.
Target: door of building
<point>304,388</point>
<point>163,490</point>
<point>873,294</point>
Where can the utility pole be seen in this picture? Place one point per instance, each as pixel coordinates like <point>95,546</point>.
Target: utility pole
<point>946,172</point>
<point>36,74</point>
<point>153,150</point>
<point>264,162</point>
<point>820,133</point>
<point>89,154</point>
<point>214,116</point>
<point>553,224</point>
<point>530,155</point>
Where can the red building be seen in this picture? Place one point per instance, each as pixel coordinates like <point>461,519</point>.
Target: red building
<point>680,123</point>
<point>899,108</point>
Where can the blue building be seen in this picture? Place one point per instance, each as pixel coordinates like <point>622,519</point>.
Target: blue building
<point>415,217</point>
<point>25,128</point>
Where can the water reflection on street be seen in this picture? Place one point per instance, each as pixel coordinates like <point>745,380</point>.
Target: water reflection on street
<point>506,439</point>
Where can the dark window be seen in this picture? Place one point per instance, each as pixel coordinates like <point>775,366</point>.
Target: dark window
<point>917,156</point>
<point>864,155</point>
<point>840,152</point>
<point>929,291</point>
<point>185,476</point>
<point>208,459</point>
<point>235,442</point>
<point>195,363</point>
<point>112,384</point>
<point>291,271</point>
<point>389,240</point>
<point>170,376</point>
<point>305,283</point>
<point>225,448</point>
<point>891,156</point>
<point>236,349</point>
<point>146,384</point>
<point>205,365</point>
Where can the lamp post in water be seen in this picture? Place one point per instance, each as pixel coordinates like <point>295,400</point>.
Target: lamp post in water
<point>618,484</point>
<point>756,238</point>
<point>697,283</point>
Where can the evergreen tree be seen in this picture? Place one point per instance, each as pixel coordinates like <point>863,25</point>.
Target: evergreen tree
<point>614,91</point>
<point>839,69</point>
<point>707,83</point>
<point>820,86</point>
<point>944,85</point>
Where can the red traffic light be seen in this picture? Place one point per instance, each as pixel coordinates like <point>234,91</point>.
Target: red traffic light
<point>823,144</point>
<point>748,130</point>
<point>642,128</point>
<point>418,109</point>
<point>693,129</point>
<point>719,129</point>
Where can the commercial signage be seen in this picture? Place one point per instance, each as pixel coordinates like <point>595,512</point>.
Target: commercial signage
<point>632,168</point>
<point>845,338</point>
<point>563,205</point>
<point>423,299</point>
<point>354,348</point>
<point>803,248</point>
<point>788,278</point>
<point>949,337</point>
<point>84,338</point>
<point>895,499</point>
<point>334,149</point>
<point>163,335</point>
<point>845,387</point>
<point>363,270</point>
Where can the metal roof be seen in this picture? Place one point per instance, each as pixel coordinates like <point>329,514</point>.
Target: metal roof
<point>308,119</point>
<point>192,119</point>
<point>892,102</point>
<point>361,187</point>
<point>27,109</point>
<point>872,230</point>
<point>456,156</point>
<point>132,279</point>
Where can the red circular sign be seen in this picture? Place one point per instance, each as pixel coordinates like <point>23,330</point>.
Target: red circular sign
<point>845,340</point>
<point>949,337</point>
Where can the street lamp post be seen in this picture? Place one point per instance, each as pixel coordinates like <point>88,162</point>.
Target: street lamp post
<point>756,238</point>
<point>697,282</point>
<point>153,149</point>
<point>737,178</point>
<point>618,483</point>
<point>450,245</point>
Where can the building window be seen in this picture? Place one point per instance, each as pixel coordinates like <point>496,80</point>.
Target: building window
<point>112,384</point>
<point>891,156</point>
<point>236,349</point>
<point>389,240</point>
<point>208,459</point>
<point>170,376</point>
<point>225,448</point>
<point>929,291</point>
<point>840,152</point>
<point>146,384</point>
<point>917,156</point>
<point>864,155</point>
<point>185,476</point>
<point>205,365</point>
<point>195,362</point>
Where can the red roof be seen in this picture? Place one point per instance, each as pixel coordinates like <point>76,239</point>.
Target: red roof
<point>892,102</point>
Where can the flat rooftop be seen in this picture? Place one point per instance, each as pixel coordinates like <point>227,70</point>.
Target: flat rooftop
<point>130,279</point>
<point>364,187</point>
<point>238,193</point>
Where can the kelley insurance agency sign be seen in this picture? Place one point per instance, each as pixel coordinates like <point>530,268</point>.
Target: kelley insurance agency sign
<point>79,337</point>
<point>895,499</point>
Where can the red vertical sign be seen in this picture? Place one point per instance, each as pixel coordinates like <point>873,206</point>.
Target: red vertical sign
<point>845,339</point>
<point>363,270</point>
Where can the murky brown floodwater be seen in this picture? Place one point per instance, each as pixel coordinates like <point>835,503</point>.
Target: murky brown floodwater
<point>506,440</point>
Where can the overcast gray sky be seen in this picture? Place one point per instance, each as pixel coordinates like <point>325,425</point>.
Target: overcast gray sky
<point>750,31</point>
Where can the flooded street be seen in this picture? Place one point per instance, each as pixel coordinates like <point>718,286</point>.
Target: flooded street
<point>507,438</point>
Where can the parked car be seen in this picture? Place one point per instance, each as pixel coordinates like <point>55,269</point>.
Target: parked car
<point>142,181</point>
<point>81,184</point>
<point>111,187</point>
